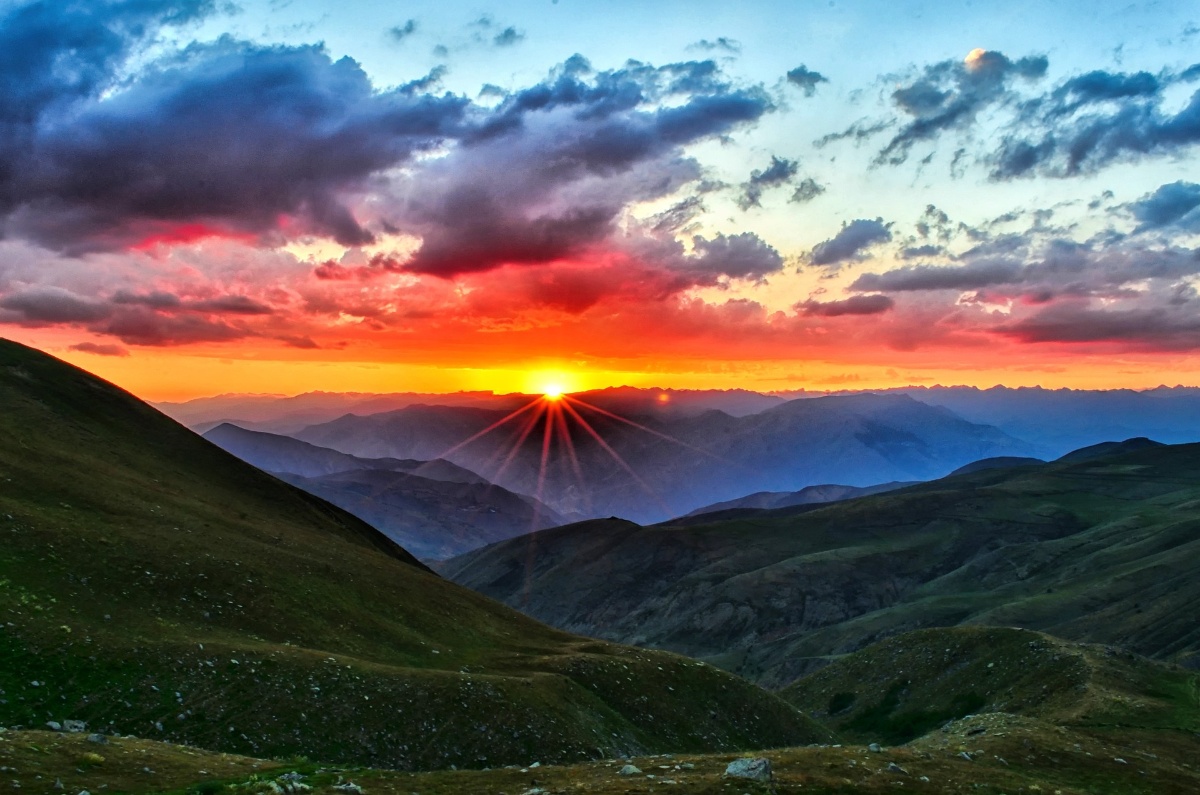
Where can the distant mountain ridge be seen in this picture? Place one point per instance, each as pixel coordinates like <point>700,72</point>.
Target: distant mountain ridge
<point>809,495</point>
<point>673,465</point>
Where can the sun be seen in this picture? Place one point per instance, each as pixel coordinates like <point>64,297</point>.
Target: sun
<point>552,391</point>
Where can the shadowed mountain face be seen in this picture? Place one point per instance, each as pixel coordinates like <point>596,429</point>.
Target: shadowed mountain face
<point>434,509</point>
<point>151,583</point>
<point>433,519</point>
<point>275,453</point>
<point>1102,550</point>
<point>671,466</point>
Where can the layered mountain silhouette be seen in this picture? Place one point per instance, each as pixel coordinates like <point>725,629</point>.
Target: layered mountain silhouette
<point>434,509</point>
<point>153,584</point>
<point>650,468</point>
<point>1102,549</point>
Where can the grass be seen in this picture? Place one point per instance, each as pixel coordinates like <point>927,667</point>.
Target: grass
<point>1009,754</point>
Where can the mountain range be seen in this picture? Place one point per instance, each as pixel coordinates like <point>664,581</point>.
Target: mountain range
<point>434,509</point>
<point>651,468</point>
<point>1102,546</point>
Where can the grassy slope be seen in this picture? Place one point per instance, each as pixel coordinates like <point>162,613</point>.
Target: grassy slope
<point>150,583</point>
<point>1103,550</point>
<point>900,688</point>
<point>1008,755</point>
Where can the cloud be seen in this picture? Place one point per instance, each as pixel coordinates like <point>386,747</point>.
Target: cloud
<point>909,278</point>
<point>950,94</point>
<point>721,44</point>
<point>138,326</point>
<point>779,172</point>
<point>227,138</point>
<point>399,33</point>
<point>546,175</point>
<point>1163,328</point>
<point>741,256</point>
<point>806,79</point>
<point>100,349</point>
<point>1096,119</point>
<point>1173,204</point>
<point>51,305</point>
<point>806,190</point>
<point>854,238</point>
<point>854,305</point>
<point>508,37</point>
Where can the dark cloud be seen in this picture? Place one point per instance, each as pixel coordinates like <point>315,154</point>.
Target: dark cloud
<point>806,79</point>
<point>721,44</point>
<point>859,131</point>
<point>399,33</point>
<point>546,175</point>
<point>854,305</point>
<point>854,238</point>
<point>508,37</point>
<point>918,252</point>
<point>742,256</point>
<point>806,190</point>
<point>50,305</point>
<point>1173,204</point>
<point>1096,119</point>
<point>779,172</point>
<point>100,349</point>
<point>1164,328</point>
<point>938,277</point>
<point>678,215</point>
<point>223,138</point>
<point>949,95</point>
<point>138,326</point>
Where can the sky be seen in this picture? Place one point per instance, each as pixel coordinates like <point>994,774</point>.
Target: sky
<point>278,196</point>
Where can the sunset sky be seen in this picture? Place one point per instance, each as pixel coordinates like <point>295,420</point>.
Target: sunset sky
<point>203,196</point>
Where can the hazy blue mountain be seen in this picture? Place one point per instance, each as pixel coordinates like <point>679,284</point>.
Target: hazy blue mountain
<point>673,465</point>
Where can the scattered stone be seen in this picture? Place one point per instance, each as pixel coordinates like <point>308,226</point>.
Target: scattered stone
<point>74,726</point>
<point>895,768</point>
<point>966,756</point>
<point>1119,760</point>
<point>349,786</point>
<point>98,739</point>
<point>293,776</point>
<point>874,748</point>
<point>755,769</point>
<point>629,770</point>
<point>54,725</point>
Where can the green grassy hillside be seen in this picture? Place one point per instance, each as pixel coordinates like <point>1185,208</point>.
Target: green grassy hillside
<point>1100,550</point>
<point>906,686</point>
<point>153,584</point>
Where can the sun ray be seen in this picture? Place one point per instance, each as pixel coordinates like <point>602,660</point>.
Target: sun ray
<point>516,448</point>
<point>561,419</point>
<point>615,455</point>
<point>490,428</point>
<point>547,437</point>
<point>651,431</point>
